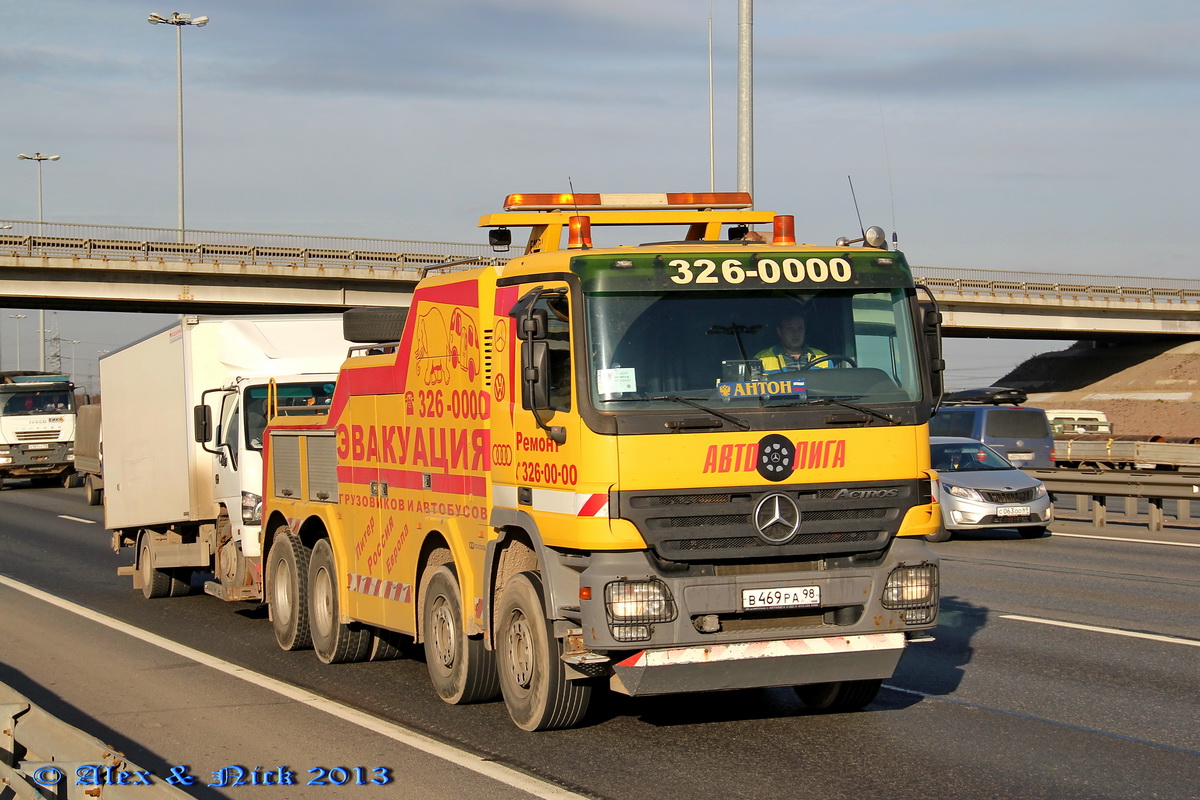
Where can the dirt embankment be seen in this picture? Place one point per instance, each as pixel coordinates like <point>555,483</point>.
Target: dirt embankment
<point>1143,388</point>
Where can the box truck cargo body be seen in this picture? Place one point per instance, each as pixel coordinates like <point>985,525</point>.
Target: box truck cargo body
<point>182,421</point>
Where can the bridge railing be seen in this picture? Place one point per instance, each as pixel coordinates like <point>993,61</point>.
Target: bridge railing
<point>996,283</point>
<point>161,244</point>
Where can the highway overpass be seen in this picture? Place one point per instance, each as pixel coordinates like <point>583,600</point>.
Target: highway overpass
<point>97,268</point>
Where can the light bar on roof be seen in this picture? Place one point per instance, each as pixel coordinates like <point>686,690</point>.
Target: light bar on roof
<point>613,202</point>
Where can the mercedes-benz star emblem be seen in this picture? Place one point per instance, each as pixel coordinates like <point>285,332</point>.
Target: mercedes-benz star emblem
<point>777,519</point>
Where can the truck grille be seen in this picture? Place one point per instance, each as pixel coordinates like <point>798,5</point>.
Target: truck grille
<point>719,526</point>
<point>39,435</point>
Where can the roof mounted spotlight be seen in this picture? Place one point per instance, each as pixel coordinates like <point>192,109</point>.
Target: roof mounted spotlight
<point>873,236</point>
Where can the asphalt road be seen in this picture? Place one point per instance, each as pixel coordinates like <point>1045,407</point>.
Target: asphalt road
<point>1064,667</point>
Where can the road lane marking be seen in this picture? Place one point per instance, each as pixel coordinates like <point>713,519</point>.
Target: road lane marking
<point>1096,629</point>
<point>77,519</point>
<point>1123,539</point>
<point>417,741</point>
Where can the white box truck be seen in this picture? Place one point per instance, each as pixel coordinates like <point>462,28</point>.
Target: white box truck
<point>182,424</point>
<point>37,427</point>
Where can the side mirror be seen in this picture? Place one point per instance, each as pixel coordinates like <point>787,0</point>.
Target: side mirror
<point>535,375</point>
<point>931,332</point>
<point>500,239</point>
<point>202,423</point>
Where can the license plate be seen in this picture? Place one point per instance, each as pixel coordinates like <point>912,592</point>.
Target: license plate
<point>1020,456</point>
<point>37,447</point>
<point>782,597</point>
<point>1012,511</point>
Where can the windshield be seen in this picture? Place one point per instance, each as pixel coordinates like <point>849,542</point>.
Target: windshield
<point>37,402</point>
<point>295,399</point>
<point>751,349</point>
<point>966,457</point>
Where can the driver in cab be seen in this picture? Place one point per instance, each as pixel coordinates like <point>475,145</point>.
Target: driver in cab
<point>791,353</point>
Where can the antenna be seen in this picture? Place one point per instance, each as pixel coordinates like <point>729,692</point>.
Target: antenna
<point>887,155</point>
<point>855,199</point>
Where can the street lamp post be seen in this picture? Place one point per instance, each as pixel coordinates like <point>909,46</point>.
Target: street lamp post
<point>179,20</point>
<point>39,158</point>
<point>18,318</point>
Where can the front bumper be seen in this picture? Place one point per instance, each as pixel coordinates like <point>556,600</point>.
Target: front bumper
<point>959,514</point>
<point>748,665</point>
<point>26,461</point>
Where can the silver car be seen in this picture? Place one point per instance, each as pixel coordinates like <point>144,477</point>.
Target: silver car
<point>979,489</point>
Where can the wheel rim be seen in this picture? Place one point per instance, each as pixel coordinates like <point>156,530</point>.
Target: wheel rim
<point>442,634</point>
<point>520,650</point>
<point>282,596</point>
<point>323,601</point>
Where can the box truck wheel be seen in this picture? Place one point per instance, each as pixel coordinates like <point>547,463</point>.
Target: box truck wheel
<point>334,641</point>
<point>461,668</point>
<point>839,695</point>
<point>287,582</point>
<point>158,583</point>
<point>532,676</point>
<point>93,493</point>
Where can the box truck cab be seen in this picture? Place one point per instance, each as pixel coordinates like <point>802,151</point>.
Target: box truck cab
<point>1021,433</point>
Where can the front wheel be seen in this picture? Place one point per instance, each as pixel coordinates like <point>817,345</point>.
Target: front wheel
<point>334,641</point>
<point>287,590</point>
<point>839,695</point>
<point>532,675</point>
<point>461,668</point>
<point>942,535</point>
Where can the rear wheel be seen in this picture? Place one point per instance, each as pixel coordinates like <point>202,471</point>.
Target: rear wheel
<point>287,585</point>
<point>532,675</point>
<point>93,493</point>
<point>334,641</point>
<point>158,583</point>
<point>461,668</point>
<point>839,695</point>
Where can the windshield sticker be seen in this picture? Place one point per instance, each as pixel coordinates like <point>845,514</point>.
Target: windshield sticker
<point>615,381</point>
<point>767,270</point>
<point>762,389</point>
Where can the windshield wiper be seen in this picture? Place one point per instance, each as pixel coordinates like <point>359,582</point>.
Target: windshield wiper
<point>690,401</point>
<point>825,401</point>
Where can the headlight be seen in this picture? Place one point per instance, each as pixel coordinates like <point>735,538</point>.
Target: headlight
<point>5,460</point>
<point>251,509</point>
<point>633,605</point>
<point>963,492</point>
<point>1040,491</point>
<point>914,591</point>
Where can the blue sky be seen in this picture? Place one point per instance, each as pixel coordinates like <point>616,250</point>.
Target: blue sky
<point>1050,136</point>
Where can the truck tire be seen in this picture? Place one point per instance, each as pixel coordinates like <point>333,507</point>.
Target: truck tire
<point>461,668</point>
<point>287,587</point>
<point>839,695</point>
<point>158,583</point>
<point>533,677</point>
<point>335,642</point>
<point>94,494</point>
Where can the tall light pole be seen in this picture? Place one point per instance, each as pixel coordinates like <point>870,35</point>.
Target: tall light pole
<point>39,158</point>
<point>179,20</point>
<point>18,318</point>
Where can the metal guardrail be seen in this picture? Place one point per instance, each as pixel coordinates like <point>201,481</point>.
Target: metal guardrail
<point>42,756</point>
<point>1094,490</point>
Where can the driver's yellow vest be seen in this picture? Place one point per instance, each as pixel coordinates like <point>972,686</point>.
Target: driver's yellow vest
<point>775,360</point>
